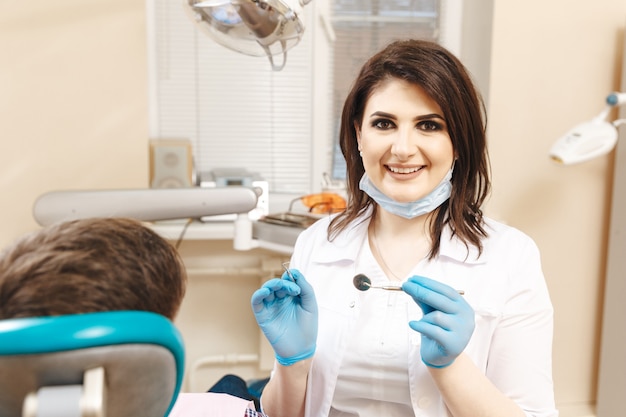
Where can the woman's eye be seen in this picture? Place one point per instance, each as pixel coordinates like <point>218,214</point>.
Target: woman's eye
<point>382,124</point>
<point>430,126</point>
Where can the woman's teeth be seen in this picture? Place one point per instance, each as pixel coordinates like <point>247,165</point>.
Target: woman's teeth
<point>403,170</point>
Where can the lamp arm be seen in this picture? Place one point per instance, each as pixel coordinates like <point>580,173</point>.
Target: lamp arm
<point>144,204</point>
<point>619,122</point>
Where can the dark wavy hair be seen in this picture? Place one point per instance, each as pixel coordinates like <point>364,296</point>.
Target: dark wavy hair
<point>91,265</point>
<point>444,78</point>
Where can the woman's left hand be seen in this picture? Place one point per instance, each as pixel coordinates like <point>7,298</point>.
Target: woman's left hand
<point>447,324</point>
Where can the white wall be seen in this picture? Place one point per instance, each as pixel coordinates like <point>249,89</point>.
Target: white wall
<point>553,63</point>
<point>73,114</point>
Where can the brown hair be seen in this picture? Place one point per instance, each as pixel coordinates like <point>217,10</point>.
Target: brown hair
<point>91,265</point>
<point>444,78</point>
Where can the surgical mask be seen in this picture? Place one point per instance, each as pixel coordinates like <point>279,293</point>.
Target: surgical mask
<point>411,209</point>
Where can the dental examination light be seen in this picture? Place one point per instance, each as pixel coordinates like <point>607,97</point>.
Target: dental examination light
<point>252,27</point>
<point>590,139</point>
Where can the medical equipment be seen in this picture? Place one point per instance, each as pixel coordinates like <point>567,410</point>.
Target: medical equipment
<point>104,364</point>
<point>237,177</point>
<point>315,204</point>
<point>158,205</point>
<point>590,139</point>
<point>252,27</point>
<point>287,271</point>
<point>295,220</point>
<point>152,205</point>
<point>143,204</point>
<point>363,283</point>
<point>228,177</point>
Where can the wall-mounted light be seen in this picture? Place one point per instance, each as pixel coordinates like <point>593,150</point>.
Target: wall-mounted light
<point>252,27</point>
<point>590,139</point>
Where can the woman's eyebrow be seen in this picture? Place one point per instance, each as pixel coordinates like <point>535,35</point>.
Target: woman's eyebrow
<point>382,114</point>
<point>417,118</point>
<point>430,116</point>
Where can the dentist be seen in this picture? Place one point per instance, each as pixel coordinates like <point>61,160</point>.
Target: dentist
<point>413,137</point>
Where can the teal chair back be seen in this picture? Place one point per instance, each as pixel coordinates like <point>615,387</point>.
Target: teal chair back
<point>44,362</point>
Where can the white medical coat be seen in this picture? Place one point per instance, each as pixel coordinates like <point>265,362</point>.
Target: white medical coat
<point>512,340</point>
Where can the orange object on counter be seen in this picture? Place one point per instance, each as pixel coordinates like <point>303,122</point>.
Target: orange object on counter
<point>322,203</point>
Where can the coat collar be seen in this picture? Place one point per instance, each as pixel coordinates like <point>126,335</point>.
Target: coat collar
<point>346,246</point>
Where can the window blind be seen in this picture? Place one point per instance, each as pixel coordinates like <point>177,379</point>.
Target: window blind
<point>236,111</point>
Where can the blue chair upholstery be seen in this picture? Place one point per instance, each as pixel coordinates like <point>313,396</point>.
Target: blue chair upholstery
<point>142,355</point>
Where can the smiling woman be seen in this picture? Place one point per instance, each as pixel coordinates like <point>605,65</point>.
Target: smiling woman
<point>413,138</point>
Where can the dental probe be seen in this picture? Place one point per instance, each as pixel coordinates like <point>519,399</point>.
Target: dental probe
<point>285,267</point>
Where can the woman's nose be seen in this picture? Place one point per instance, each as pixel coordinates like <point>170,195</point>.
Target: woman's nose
<point>404,144</point>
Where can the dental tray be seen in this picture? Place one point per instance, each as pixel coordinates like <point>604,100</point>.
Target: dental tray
<point>290,219</point>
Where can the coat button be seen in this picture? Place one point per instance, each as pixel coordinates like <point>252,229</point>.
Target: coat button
<point>423,403</point>
<point>352,304</point>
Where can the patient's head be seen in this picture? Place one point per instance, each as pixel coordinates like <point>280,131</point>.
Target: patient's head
<point>91,265</point>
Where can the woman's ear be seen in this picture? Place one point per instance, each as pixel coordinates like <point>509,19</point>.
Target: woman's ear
<point>357,130</point>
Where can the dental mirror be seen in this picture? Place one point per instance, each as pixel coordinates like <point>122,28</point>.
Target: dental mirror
<point>363,283</point>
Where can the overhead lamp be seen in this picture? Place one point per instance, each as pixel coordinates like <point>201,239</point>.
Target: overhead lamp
<point>590,139</point>
<point>253,27</point>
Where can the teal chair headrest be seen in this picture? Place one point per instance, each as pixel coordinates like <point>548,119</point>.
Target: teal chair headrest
<point>142,354</point>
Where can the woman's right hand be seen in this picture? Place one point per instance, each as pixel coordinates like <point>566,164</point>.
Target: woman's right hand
<point>286,312</point>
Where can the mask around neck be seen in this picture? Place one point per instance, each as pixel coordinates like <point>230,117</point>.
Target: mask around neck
<point>411,209</point>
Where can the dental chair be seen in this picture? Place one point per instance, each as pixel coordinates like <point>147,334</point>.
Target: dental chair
<point>106,364</point>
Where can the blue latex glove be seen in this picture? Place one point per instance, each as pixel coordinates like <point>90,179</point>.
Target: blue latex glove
<point>286,312</point>
<point>447,323</point>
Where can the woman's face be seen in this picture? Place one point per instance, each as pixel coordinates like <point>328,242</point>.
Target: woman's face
<point>404,141</point>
